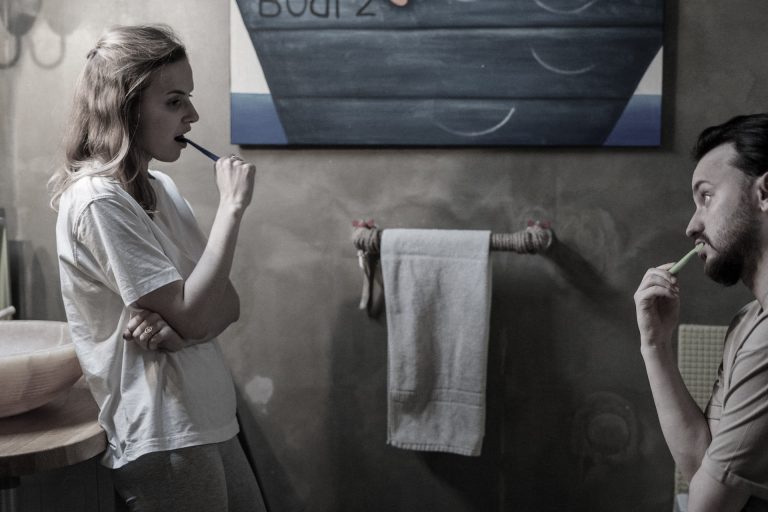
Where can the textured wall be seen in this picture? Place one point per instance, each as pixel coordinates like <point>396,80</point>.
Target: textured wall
<point>571,424</point>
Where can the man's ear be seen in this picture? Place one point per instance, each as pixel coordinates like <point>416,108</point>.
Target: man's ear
<point>761,187</point>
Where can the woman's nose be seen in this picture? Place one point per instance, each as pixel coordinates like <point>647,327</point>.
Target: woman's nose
<point>192,116</point>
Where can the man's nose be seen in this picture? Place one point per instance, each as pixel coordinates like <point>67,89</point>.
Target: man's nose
<point>695,226</point>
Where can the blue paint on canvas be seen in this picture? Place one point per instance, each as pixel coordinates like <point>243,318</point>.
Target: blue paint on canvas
<point>254,118</point>
<point>639,124</point>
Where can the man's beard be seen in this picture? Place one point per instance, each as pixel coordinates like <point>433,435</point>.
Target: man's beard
<point>737,249</point>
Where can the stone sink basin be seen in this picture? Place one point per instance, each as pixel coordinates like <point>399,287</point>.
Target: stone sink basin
<point>37,363</point>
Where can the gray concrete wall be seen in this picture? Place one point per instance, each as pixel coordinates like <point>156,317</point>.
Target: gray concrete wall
<point>571,423</point>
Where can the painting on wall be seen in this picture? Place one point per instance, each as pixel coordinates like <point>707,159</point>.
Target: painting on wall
<point>446,72</point>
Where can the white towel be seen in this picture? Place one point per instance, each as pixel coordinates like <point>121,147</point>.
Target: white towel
<point>437,288</point>
<point>5,275</point>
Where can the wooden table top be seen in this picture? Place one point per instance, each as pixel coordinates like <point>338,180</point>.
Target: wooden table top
<point>60,433</point>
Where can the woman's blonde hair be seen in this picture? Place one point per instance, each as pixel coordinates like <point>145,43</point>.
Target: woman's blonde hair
<point>104,117</point>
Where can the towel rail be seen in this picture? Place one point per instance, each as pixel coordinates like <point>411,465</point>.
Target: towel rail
<point>536,238</point>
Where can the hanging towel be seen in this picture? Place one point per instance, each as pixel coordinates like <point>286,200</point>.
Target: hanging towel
<point>437,290</point>
<point>5,277</point>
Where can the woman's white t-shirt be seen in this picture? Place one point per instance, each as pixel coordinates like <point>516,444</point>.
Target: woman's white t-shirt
<point>111,253</point>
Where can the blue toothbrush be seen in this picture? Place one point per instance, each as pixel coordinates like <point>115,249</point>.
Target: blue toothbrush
<point>198,147</point>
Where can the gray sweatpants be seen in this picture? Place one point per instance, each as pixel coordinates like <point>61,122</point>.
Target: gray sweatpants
<point>210,477</point>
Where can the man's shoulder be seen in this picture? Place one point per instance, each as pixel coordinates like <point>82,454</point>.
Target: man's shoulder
<point>755,325</point>
<point>750,309</point>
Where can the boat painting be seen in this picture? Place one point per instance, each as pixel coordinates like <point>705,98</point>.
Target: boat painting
<point>446,72</point>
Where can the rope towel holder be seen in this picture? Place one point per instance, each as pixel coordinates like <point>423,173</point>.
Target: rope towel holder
<point>536,238</point>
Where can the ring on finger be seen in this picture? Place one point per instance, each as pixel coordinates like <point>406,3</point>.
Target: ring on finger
<point>148,330</point>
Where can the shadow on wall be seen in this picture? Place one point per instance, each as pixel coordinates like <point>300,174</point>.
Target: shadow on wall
<point>32,296</point>
<point>369,474</point>
<point>536,397</point>
<point>276,488</point>
<point>571,421</point>
<point>584,277</point>
<point>480,480</point>
<point>669,78</point>
<point>19,17</point>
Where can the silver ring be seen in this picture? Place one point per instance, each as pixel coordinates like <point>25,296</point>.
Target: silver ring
<point>148,330</point>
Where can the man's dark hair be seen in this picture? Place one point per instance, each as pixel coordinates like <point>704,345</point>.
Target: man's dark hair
<point>748,134</point>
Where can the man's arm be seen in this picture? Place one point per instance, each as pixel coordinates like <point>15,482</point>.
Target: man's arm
<point>705,494</point>
<point>683,424</point>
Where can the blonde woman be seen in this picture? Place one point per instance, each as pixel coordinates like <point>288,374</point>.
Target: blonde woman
<point>145,293</point>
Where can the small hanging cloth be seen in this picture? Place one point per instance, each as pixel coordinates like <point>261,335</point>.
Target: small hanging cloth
<point>437,286</point>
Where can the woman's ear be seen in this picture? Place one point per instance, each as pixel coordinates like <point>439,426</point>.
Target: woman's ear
<point>761,187</point>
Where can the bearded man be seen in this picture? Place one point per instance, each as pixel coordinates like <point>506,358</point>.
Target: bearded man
<point>722,451</point>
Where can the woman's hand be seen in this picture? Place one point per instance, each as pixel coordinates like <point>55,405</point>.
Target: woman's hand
<point>148,330</point>
<point>235,179</point>
<point>657,303</point>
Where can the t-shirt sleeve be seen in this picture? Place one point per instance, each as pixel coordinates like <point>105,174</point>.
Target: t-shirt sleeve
<point>737,456</point>
<point>122,245</point>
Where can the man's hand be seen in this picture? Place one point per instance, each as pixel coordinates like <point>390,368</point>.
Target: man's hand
<point>657,303</point>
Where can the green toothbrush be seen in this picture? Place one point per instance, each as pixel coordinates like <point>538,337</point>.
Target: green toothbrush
<point>677,267</point>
